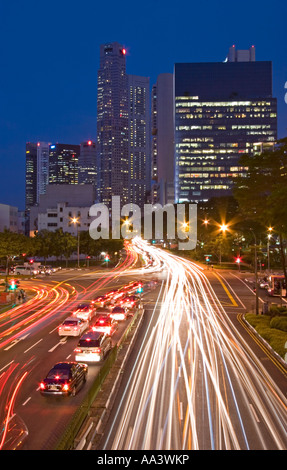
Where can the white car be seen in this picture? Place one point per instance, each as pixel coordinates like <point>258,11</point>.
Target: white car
<point>73,326</point>
<point>84,312</point>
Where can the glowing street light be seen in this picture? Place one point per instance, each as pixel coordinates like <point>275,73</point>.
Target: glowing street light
<point>76,222</point>
<point>223,228</point>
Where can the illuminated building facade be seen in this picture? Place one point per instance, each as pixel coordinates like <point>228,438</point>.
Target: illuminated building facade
<point>221,110</point>
<point>63,163</point>
<point>31,175</point>
<point>112,124</point>
<point>88,163</point>
<point>162,168</point>
<point>139,139</point>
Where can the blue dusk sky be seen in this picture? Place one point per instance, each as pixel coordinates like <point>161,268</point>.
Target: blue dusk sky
<point>50,58</point>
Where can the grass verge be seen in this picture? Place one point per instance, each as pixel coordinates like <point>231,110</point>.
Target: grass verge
<point>271,328</point>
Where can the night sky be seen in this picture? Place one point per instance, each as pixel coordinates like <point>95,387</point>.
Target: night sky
<point>50,58</point>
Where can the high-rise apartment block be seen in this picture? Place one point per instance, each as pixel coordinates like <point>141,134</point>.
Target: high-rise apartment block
<point>220,111</point>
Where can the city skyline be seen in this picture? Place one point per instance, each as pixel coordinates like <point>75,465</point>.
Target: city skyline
<point>61,107</point>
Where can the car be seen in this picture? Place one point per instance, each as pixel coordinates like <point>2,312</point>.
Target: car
<point>99,301</point>
<point>118,314</point>
<point>264,285</point>
<point>105,325</point>
<point>130,301</point>
<point>93,347</point>
<point>73,326</point>
<point>103,311</point>
<point>65,378</point>
<point>84,311</point>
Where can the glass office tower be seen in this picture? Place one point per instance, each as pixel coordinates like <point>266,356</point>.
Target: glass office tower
<point>112,124</point>
<point>221,111</point>
<point>63,168</point>
<point>139,139</point>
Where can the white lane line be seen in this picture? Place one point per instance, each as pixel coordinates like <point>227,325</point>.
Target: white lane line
<point>33,345</point>
<point>63,341</point>
<point>25,402</point>
<point>6,365</point>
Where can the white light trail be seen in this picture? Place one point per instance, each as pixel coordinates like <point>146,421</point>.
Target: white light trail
<point>195,385</point>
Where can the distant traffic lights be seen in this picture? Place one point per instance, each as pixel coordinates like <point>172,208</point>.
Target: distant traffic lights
<point>107,258</point>
<point>13,284</point>
<point>140,288</point>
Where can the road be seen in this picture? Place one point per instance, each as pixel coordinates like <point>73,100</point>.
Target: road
<point>193,381</point>
<point>195,378</point>
<point>30,346</point>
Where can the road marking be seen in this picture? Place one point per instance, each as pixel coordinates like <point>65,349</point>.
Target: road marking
<point>6,365</point>
<point>226,290</point>
<point>33,345</point>
<point>16,341</point>
<point>63,341</point>
<point>25,402</point>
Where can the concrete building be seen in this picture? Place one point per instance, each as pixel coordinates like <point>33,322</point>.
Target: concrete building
<point>60,205</point>
<point>8,218</point>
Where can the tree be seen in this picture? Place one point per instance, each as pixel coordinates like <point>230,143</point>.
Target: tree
<point>262,194</point>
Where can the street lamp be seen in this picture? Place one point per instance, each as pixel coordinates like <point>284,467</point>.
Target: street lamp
<point>76,222</point>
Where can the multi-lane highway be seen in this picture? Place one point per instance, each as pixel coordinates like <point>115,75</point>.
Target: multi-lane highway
<point>194,379</point>
<point>30,346</point>
<point>195,383</point>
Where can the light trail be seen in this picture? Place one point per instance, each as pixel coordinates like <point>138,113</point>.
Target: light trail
<point>196,384</point>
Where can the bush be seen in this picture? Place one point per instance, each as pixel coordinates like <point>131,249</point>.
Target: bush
<point>280,323</point>
<point>268,328</point>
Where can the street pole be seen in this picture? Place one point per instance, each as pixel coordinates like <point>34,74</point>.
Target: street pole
<point>78,251</point>
<point>256,275</point>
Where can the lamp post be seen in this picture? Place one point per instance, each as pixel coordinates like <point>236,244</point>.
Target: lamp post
<point>256,274</point>
<point>223,228</point>
<point>76,222</point>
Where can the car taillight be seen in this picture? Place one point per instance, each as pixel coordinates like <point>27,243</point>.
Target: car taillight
<point>42,386</point>
<point>97,351</point>
<point>78,350</point>
<point>65,387</point>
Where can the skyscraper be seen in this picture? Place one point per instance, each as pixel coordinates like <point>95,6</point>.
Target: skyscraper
<point>42,168</point>
<point>31,175</point>
<point>139,139</point>
<point>112,124</point>
<point>63,167</point>
<point>163,140</point>
<point>221,110</point>
<point>88,163</point>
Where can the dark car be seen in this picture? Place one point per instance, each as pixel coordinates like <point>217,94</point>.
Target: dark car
<point>65,378</point>
<point>119,313</point>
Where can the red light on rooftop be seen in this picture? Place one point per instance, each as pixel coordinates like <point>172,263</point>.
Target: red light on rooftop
<point>124,51</point>
<point>89,142</point>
